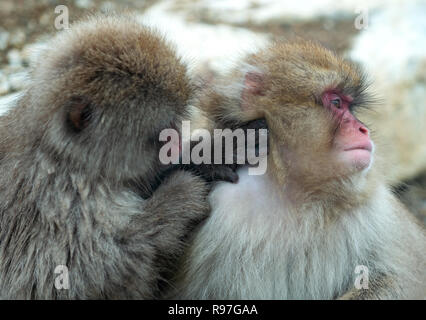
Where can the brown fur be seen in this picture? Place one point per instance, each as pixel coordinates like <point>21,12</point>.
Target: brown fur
<point>300,231</point>
<point>78,157</point>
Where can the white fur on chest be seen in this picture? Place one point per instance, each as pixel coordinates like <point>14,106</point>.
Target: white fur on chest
<point>252,198</point>
<point>253,247</point>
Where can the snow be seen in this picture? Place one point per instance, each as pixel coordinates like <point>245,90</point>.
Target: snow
<point>394,45</point>
<point>218,46</point>
<point>261,11</point>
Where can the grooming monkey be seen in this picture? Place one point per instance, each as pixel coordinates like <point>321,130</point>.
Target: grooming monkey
<point>323,210</point>
<point>78,159</point>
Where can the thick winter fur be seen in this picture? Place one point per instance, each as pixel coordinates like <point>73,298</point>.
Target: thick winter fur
<point>300,230</point>
<point>78,155</point>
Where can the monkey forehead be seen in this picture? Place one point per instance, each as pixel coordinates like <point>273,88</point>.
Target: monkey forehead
<point>307,68</point>
<point>117,50</point>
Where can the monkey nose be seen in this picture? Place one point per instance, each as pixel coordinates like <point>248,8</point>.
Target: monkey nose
<point>363,130</point>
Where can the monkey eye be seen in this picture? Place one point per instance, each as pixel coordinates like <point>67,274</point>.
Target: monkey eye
<point>337,102</point>
<point>334,100</point>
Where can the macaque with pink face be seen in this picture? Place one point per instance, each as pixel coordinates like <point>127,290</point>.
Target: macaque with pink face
<point>322,211</point>
<point>352,142</point>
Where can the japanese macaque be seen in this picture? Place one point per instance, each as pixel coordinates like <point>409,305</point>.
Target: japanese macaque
<point>321,223</point>
<point>79,155</point>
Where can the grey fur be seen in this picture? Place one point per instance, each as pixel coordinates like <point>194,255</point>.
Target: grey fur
<point>71,183</point>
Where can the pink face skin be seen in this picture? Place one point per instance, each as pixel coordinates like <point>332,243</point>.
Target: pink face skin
<point>352,142</point>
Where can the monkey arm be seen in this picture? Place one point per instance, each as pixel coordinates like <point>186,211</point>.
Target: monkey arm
<point>407,253</point>
<point>379,287</point>
<point>169,215</point>
<point>122,252</point>
<point>177,206</point>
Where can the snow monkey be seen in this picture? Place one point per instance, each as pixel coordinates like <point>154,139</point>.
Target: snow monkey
<point>321,223</point>
<point>78,159</point>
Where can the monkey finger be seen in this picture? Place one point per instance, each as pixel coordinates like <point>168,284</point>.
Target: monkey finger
<point>224,173</point>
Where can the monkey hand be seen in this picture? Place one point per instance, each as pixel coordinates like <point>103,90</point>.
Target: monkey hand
<point>216,172</point>
<point>226,172</point>
<point>166,222</point>
<point>179,203</point>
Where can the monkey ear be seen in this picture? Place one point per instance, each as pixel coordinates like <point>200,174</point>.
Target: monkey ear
<point>79,113</point>
<point>253,86</point>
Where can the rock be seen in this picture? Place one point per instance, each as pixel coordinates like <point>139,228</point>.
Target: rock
<point>4,84</point>
<point>4,39</point>
<point>84,4</point>
<point>17,38</point>
<point>107,6</point>
<point>14,58</point>
<point>46,18</point>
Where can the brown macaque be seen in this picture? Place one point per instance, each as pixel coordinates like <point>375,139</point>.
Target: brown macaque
<point>321,223</point>
<point>79,155</point>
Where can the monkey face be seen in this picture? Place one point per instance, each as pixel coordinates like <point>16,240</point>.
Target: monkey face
<point>351,144</point>
<point>308,97</point>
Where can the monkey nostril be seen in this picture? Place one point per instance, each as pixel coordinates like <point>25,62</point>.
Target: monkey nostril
<point>364,130</point>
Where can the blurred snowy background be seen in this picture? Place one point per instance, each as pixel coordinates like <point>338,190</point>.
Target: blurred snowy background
<point>387,37</point>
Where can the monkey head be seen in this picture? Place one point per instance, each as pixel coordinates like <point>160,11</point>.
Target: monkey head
<point>110,88</point>
<point>308,96</point>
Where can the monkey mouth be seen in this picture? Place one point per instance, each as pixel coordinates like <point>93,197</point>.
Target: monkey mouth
<point>364,146</point>
<point>358,155</point>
